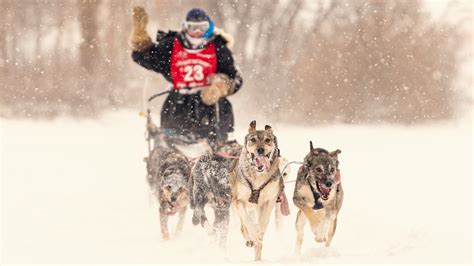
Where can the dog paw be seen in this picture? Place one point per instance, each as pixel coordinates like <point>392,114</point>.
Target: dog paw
<point>196,220</point>
<point>166,237</point>
<point>249,243</point>
<point>320,239</point>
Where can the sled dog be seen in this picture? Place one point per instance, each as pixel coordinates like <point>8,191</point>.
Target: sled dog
<point>168,177</point>
<point>318,195</point>
<point>210,186</point>
<point>256,182</point>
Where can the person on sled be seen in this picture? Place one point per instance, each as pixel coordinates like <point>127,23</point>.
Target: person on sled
<point>199,64</point>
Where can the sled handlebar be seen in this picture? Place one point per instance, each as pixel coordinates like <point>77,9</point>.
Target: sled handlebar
<point>158,95</point>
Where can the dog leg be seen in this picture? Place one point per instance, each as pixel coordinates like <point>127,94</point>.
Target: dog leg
<point>245,234</point>
<point>200,217</point>
<point>252,215</point>
<point>332,231</point>
<point>278,217</point>
<point>264,217</point>
<point>264,212</point>
<point>247,227</point>
<point>182,215</point>
<point>299,224</point>
<point>164,225</point>
<point>210,230</point>
<point>258,251</point>
<point>314,217</point>
<point>198,214</point>
<point>221,224</point>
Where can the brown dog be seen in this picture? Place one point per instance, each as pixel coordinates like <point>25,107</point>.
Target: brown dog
<point>318,195</point>
<point>256,183</point>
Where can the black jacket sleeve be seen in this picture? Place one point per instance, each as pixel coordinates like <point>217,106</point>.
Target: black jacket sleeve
<point>226,64</point>
<point>158,56</point>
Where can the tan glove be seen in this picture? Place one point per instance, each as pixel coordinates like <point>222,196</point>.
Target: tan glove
<point>139,39</point>
<point>221,86</point>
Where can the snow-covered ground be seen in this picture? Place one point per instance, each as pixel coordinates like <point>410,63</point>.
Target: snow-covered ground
<point>75,192</point>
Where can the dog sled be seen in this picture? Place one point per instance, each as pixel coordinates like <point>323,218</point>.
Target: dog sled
<point>190,145</point>
<point>169,162</point>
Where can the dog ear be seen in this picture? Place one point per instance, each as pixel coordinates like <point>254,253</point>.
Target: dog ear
<point>268,128</point>
<point>311,148</point>
<point>335,153</point>
<point>253,127</point>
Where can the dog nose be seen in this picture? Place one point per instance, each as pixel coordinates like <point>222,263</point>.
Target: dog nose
<point>173,198</point>
<point>328,183</point>
<point>260,151</point>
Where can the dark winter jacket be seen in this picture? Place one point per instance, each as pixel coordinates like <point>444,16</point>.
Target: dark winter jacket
<point>158,56</point>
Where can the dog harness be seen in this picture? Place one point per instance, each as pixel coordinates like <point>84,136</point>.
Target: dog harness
<point>191,69</point>
<point>255,193</point>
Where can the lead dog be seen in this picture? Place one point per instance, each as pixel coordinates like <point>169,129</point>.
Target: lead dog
<point>168,177</point>
<point>256,183</point>
<point>318,195</point>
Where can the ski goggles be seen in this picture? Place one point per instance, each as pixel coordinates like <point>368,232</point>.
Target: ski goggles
<point>196,28</point>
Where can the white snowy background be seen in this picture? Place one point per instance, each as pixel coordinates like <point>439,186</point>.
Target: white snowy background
<point>75,192</point>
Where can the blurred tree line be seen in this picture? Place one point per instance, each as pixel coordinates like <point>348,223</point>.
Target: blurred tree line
<point>302,61</point>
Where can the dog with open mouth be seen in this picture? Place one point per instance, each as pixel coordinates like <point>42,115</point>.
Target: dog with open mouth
<point>168,176</point>
<point>256,183</point>
<point>318,195</point>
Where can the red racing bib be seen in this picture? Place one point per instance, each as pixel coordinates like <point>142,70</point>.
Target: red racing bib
<point>191,69</point>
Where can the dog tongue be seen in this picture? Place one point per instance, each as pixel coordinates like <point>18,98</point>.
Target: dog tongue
<point>262,160</point>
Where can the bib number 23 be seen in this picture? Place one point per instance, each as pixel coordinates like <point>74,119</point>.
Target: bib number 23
<point>193,73</point>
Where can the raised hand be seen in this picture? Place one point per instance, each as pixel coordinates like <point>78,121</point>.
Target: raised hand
<point>139,39</point>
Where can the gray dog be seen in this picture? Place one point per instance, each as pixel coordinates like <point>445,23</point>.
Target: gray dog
<point>318,195</point>
<point>168,177</point>
<point>210,186</point>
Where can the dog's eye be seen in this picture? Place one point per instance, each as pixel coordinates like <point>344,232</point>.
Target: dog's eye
<point>253,140</point>
<point>267,140</point>
<point>332,170</point>
<point>285,174</point>
<point>319,169</point>
<point>168,187</point>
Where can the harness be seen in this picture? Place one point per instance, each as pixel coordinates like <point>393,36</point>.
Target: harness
<point>255,193</point>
